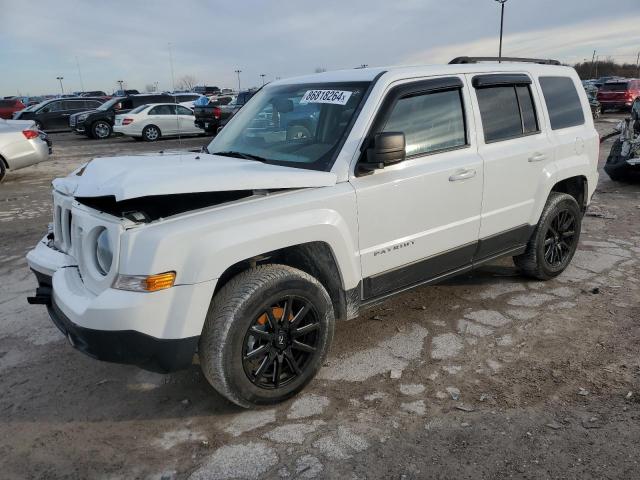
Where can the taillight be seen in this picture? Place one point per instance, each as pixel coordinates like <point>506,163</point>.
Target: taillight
<point>30,134</point>
<point>628,95</point>
<point>216,113</point>
<point>127,121</point>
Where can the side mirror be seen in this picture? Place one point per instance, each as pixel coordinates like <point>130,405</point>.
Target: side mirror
<point>387,148</point>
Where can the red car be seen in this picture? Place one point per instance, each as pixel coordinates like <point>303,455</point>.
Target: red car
<point>619,93</point>
<point>8,106</point>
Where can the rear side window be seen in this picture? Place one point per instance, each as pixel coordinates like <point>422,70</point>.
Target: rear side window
<point>507,112</point>
<point>615,87</point>
<point>430,121</point>
<point>563,102</point>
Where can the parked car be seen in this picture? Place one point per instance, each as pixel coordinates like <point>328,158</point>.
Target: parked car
<point>187,99</point>
<point>215,114</point>
<point>93,93</point>
<point>618,94</point>
<point>206,90</point>
<point>124,93</point>
<point>9,106</point>
<point>248,254</point>
<point>98,123</point>
<point>54,114</point>
<point>21,145</point>
<point>151,122</point>
<point>29,101</point>
<point>623,162</point>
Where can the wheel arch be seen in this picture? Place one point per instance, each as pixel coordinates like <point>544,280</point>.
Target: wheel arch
<point>577,186</point>
<point>315,258</point>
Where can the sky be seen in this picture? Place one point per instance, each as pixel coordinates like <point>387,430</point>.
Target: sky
<point>133,40</point>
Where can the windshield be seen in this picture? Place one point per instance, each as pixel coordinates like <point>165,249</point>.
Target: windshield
<point>139,109</point>
<point>293,125</point>
<point>108,105</point>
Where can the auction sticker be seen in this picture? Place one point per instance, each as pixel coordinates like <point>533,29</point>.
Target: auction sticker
<point>335,97</point>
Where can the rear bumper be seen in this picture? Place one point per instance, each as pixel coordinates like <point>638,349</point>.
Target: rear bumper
<point>615,103</point>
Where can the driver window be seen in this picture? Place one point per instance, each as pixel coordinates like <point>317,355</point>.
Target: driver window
<point>430,122</point>
<point>54,107</point>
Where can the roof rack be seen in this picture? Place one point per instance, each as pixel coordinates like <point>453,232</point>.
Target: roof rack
<point>541,61</point>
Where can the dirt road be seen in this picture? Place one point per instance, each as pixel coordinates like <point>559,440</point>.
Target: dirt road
<point>487,376</point>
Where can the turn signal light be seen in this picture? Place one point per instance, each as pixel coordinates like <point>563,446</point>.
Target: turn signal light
<point>30,134</point>
<point>142,283</point>
<point>160,281</point>
<point>127,121</point>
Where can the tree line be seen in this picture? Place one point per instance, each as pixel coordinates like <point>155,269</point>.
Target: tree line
<point>606,68</point>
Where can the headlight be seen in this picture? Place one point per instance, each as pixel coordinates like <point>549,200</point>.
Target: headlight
<point>82,118</point>
<point>104,253</point>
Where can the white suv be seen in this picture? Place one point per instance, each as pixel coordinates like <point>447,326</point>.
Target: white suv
<point>324,195</point>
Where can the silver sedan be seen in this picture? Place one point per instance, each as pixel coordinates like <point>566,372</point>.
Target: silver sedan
<point>21,145</point>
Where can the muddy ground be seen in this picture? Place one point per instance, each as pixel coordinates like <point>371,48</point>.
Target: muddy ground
<point>487,376</point>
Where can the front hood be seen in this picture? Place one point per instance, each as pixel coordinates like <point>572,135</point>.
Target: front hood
<point>86,112</point>
<point>174,173</point>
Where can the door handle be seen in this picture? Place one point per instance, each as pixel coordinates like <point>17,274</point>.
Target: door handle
<point>462,175</point>
<point>537,157</point>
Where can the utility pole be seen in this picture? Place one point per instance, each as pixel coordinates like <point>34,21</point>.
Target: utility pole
<point>262,75</point>
<point>238,72</point>
<point>173,82</point>
<point>593,58</point>
<point>501,2</point>
<point>80,74</point>
<point>60,80</point>
<point>120,82</point>
<point>638,64</point>
<point>156,85</point>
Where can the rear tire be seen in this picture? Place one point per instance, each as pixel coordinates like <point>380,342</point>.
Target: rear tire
<point>291,342</point>
<point>151,133</point>
<point>101,130</point>
<point>555,239</point>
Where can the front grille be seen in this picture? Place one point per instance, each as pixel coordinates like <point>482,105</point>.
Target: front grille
<point>72,121</point>
<point>62,228</point>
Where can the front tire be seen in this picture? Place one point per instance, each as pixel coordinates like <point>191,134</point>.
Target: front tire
<point>3,170</point>
<point>555,239</point>
<point>266,335</point>
<point>101,130</point>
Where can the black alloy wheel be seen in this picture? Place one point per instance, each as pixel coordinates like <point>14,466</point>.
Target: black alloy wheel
<point>281,342</point>
<point>560,238</point>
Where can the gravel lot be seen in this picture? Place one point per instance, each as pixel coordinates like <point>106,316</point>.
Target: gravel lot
<point>486,376</point>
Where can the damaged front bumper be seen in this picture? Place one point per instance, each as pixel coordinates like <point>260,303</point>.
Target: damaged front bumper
<point>144,329</point>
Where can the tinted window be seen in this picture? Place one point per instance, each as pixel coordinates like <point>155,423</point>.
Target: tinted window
<point>7,103</point>
<point>615,87</point>
<point>563,102</point>
<point>54,106</point>
<point>73,104</point>
<point>183,110</point>
<point>162,110</point>
<point>527,110</point>
<point>93,103</point>
<point>430,122</point>
<point>500,113</point>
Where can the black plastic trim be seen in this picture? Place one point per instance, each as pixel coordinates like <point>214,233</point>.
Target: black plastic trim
<point>445,265</point>
<point>541,61</point>
<point>495,79</point>
<point>502,242</point>
<point>419,271</point>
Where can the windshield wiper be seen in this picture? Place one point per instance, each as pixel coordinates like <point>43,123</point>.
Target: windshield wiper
<point>246,156</point>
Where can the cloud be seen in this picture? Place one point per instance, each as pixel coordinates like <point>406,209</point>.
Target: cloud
<point>570,43</point>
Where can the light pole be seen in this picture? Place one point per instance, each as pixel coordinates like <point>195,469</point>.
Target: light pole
<point>156,85</point>
<point>262,75</point>
<point>501,2</point>
<point>60,80</point>
<point>120,82</point>
<point>238,72</point>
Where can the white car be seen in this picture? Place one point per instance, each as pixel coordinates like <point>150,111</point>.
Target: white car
<point>322,196</point>
<point>156,120</point>
<point>21,145</point>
